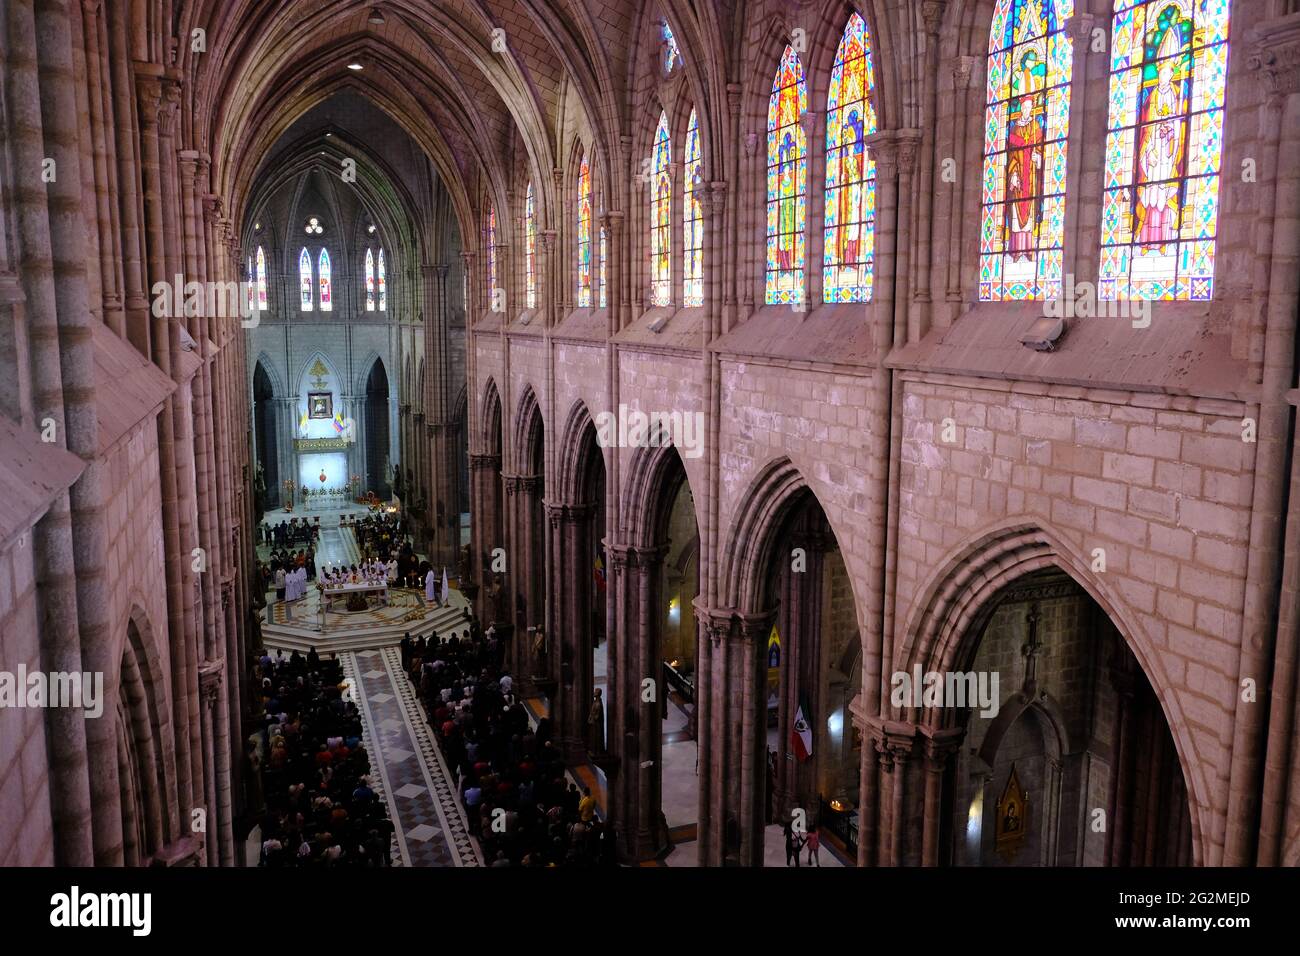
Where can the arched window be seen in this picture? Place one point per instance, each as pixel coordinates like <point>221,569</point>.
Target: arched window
<point>1160,208</point>
<point>261,280</point>
<point>693,232</point>
<point>530,248</point>
<point>787,182</point>
<point>251,277</point>
<point>672,55</point>
<point>1026,128</point>
<point>326,297</point>
<point>304,279</point>
<point>604,284</point>
<point>661,203</point>
<point>490,242</point>
<point>370,280</point>
<point>382,281</point>
<point>584,235</point>
<point>850,173</point>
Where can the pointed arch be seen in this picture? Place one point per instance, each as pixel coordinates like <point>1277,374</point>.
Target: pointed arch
<point>260,279</point>
<point>370,280</point>
<point>306,294</point>
<point>787,183</point>
<point>850,172</point>
<point>661,203</point>
<point>584,233</point>
<point>575,456</point>
<point>326,287</point>
<point>693,215</point>
<point>381,280</point>
<point>490,417</point>
<point>529,430</point>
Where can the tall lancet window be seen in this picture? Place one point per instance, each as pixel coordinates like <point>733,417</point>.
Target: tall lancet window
<point>490,273</point>
<point>787,182</point>
<point>304,280</point>
<point>261,280</point>
<point>370,280</point>
<point>850,173</point>
<point>326,290</point>
<point>1026,129</point>
<point>252,285</point>
<point>584,235</point>
<point>661,205</point>
<point>604,276</point>
<point>693,214</point>
<point>672,55</point>
<point>530,248</point>
<point>1160,206</point>
<point>382,281</point>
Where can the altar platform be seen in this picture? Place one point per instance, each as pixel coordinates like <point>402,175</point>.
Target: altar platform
<point>296,626</point>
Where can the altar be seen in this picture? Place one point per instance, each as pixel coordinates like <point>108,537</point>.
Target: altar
<point>335,592</point>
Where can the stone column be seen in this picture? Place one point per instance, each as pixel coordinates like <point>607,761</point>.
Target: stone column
<point>937,748</point>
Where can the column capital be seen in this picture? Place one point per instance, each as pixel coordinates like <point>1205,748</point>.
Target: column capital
<point>485,462</point>
<point>211,679</point>
<point>895,148</point>
<point>1274,54</point>
<point>1079,26</point>
<point>963,68</point>
<point>931,14</point>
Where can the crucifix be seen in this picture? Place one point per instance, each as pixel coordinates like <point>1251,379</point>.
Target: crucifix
<point>1029,650</point>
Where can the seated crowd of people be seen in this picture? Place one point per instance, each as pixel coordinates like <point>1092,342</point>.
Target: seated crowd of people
<point>320,808</point>
<point>510,776</point>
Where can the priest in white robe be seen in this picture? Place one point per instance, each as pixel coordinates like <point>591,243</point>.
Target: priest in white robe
<point>431,587</point>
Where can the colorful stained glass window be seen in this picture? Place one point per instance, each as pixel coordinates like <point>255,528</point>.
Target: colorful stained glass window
<point>530,248</point>
<point>1026,130</point>
<point>787,182</point>
<point>304,280</point>
<point>1160,202</point>
<point>584,235</point>
<point>252,284</point>
<point>693,214</point>
<point>850,173</point>
<point>261,280</point>
<point>604,300</point>
<point>661,196</point>
<point>370,280</point>
<point>672,55</point>
<point>326,296</point>
<point>490,241</point>
<point>381,279</point>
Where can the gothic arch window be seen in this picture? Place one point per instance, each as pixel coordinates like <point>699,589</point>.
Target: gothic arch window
<point>326,291</point>
<point>252,285</point>
<point>1026,128</point>
<point>490,241</point>
<point>261,280</point>
<point>381,279</point>
<point>661,203</point>
<point>530,248</point>
<point>693,227</point>
<point>370,280</point>
<point>672,55</point>
<point>305,293</point>
<point>584,235</point>
<point>604,275</point>
<point>787,182</point>
<point>1160,206</point>
<point>850,173</point>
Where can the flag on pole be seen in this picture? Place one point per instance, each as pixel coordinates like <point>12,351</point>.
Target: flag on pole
<point>338,422</point>
<point>599,570</point>
<point>801,736</point>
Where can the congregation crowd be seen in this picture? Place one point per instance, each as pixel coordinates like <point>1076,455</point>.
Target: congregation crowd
<point>510,776</point>
<point>307,754</point>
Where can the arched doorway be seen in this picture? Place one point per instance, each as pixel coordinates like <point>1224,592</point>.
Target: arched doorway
<point>266,442</point>
<point>1075,764</point>
<point>147,823</point>
<point>530,546</point>
<point>378,470</point>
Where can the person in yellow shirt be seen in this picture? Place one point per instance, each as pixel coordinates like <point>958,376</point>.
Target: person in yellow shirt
<point>586,806</point>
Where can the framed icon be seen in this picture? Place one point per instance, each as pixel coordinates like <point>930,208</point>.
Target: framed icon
<point>320,404</point>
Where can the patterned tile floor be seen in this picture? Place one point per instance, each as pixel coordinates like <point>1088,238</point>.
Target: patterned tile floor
<point>431,831</point>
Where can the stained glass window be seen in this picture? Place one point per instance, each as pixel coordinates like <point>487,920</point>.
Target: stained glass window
<point>304,279</point>
<point>603,275</point>
<point>252,284</point>
<point>530,248</point>
<point>381,275</point>
<point>490,240</point>
<point>661,195</point>
<point>1026,128</point>
<point>261,280</point>
<point>672,55</point>
<point>850,173</point>
<point>326,298</point>
<point>584,235</point>
<point>1160,205</point>
<point>693,241</point>
<point>787,181</point>
<point>370,280</point>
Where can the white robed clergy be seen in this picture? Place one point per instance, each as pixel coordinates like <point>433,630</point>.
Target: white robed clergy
<point>431,587</point>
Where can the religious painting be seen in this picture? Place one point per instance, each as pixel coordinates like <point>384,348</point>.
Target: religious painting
<point>1012,817</point>
<point>320,404</point>
<point>661,217</point>
<point>787,182</point>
